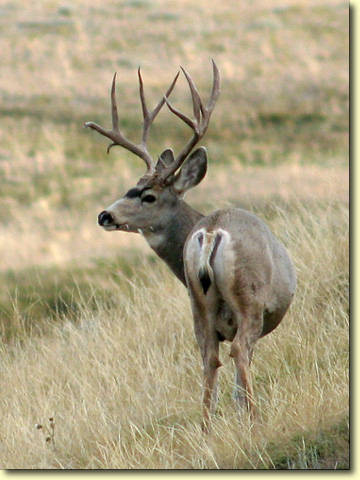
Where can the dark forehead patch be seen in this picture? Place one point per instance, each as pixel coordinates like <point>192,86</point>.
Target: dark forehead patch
<point>133,192</point>
<point>136,192</point>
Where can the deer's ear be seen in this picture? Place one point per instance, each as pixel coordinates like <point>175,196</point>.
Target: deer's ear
<point>165,159</point>
<point>192,172</point>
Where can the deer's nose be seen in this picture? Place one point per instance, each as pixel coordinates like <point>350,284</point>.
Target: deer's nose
<point>105,218</point>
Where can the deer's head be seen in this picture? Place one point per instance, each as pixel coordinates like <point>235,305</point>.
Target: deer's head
<point>154,198</point>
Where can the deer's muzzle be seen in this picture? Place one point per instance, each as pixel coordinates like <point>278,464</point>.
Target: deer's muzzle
<point>105,218</point>
<point>107,221</point>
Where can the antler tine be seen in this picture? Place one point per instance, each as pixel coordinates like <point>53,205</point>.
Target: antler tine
<point>142,96</point>
<point>202,117</point>
<point>215,92</point>
<point>149,117</point>
<point>197,103</point>
<point>177,112</point>
<point>117,137</point>
<point>114,112</point>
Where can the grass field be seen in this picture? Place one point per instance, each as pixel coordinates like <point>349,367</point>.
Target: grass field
<point>92,333</point>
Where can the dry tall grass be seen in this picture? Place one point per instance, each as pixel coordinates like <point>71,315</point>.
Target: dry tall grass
<point>124,383</point>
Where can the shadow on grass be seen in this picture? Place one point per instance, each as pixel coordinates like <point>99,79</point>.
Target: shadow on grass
<point>34,298</point>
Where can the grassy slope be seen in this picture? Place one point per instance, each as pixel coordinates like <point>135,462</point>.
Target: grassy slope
<point>111,370</point>
<point>75,294</point>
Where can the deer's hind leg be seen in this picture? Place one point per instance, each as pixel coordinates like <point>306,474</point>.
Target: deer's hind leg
<point>249,329</point>
<point>209,347</point>
<point>240,352</point>
<point>203,309</point>
<point>211,364</point>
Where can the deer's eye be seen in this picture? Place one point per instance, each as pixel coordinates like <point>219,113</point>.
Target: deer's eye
<point>148,198</point>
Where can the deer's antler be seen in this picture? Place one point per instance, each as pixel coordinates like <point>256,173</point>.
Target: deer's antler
<point>118,138</point>
<point>200,122</point>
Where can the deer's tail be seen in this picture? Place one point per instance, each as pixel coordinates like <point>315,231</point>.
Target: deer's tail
<point>209,242</point>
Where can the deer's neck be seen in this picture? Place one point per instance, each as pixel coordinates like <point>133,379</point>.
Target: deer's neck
<point>168,239</point>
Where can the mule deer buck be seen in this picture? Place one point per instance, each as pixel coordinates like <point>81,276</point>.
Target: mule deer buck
<point>239,277</point>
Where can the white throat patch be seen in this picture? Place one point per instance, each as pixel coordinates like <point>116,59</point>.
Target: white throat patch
<point>153,239</point>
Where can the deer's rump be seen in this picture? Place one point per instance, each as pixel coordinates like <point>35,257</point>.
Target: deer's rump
<point>238,265</point>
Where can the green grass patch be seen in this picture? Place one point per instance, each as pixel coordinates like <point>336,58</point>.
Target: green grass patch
<point>325,449</point>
